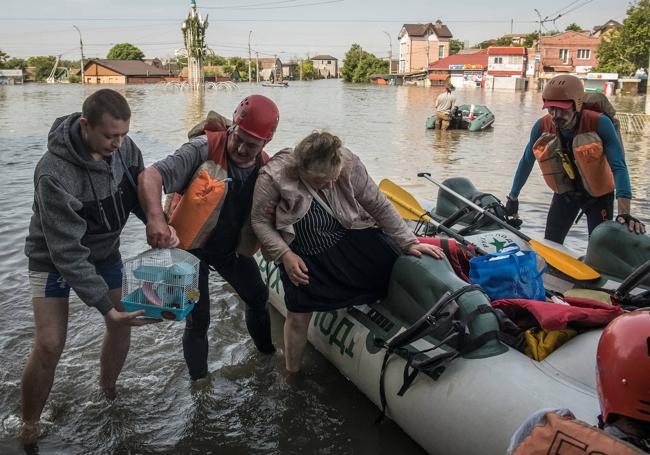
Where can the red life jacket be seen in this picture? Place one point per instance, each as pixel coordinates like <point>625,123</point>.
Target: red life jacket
<point>590,160</point>
<point>580,312</point>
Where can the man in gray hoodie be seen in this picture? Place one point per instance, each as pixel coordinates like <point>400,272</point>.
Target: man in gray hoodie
<point>84,190</point>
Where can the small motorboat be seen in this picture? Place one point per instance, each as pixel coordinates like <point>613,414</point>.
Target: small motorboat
<point>275,84</point>
<point>472,117</point>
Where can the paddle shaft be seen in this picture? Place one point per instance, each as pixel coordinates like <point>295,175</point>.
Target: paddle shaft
<point>478,208</point>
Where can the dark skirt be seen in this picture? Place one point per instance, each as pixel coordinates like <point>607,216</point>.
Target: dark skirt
<point>354,271</point>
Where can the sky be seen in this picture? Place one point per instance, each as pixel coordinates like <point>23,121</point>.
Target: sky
<point>283,28</point>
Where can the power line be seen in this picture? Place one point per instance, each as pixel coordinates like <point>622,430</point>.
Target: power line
<point>251,7</point>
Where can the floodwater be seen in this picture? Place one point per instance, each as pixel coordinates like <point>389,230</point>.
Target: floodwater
<point>247,408</point>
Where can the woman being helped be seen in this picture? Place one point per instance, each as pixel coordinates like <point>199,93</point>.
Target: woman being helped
<point>325,233</point>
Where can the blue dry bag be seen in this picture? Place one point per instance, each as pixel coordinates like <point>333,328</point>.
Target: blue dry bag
<point>509,274</point>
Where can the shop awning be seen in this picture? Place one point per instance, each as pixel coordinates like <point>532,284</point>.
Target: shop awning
<point>438,77</point>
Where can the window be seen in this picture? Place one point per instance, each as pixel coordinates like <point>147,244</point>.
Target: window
<point>441,51</point>
<point>564,55</point>
<point>329,62</point>
<point>584,54</point>
<point>498,60</point>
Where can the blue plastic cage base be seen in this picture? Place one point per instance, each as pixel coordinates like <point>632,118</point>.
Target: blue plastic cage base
<point>132,301</point>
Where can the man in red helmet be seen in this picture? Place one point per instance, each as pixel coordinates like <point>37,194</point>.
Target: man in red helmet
<point>623,379</point>
<point>235,150</point>
<point>581,159</point>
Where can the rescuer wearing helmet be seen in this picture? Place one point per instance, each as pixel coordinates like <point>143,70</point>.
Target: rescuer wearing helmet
<point>220,162</point>
<point>623,381</point>
<point>581,159</point>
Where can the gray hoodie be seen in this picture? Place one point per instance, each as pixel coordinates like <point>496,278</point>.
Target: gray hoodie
<point>80,207</point>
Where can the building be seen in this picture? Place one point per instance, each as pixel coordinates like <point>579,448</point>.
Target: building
<point>462,70</point>
<point>507,68</point>
<point>104,71</point>
<point>326,66</point>
<point>600,30</point>
<point>291,71</point>
<point>516,39</point>
<point>11,77</point>
<point>569,52</point>
<point>420,45</point>
<point>270,69</point>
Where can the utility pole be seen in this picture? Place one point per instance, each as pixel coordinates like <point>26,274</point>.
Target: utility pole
<point>538,54</point>
<point>81,44</point>
<point>250,77</point>
<point>390,53</point>
<point>512,21</point>
<point>257,66</point>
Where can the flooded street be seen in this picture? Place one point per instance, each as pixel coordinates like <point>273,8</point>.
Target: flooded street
<point>247,408</point>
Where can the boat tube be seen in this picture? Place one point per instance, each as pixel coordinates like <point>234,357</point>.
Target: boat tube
<point>474,117</point>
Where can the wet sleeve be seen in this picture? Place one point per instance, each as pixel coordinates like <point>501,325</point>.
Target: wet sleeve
<point>64,228</point>
<point>370,197</point>
<point>526,163</point>
<point>137,210</point>
<point>178,169</point>
<point>615,156</point>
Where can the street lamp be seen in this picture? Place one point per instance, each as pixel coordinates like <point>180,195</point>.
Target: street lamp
<point>81,44</point>
<point>390,53</point>
<point>250,79</point>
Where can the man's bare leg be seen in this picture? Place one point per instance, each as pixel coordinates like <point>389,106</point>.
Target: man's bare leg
<point>51,325</point>
<point>115,348</point>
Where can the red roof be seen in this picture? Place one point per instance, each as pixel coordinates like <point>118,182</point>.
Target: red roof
<point>506,51</point>
<point>478,58</point>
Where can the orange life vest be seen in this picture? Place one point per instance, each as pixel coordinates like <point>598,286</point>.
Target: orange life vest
<point>557,435</point>
<point>590,160</point>
<point>195,213</point>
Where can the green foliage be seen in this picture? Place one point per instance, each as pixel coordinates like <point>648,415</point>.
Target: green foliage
<point>15,63</point>
<point>573,27</point>
<point>125,51</point>
<point>215,60</point>
<point>530,39</point>
<point>359,65</point>
<point>74,79</point>
<point>455,45</point>
<point>485,44</point>
<point>194,36</point>
<point>42,66</point>
<point>306,68</point>
<point>623,51</point>
<point>504,41</point>
<point>3,58</point>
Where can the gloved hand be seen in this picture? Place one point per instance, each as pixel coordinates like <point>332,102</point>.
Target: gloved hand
<point>633,224</point>
<point>512,207</point>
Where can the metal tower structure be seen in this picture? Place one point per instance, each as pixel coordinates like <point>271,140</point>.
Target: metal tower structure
<point>195,49</point>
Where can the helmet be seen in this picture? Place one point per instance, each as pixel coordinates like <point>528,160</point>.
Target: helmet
<point>623,367</point>
<point>564,87</point>
<point>258,116</point>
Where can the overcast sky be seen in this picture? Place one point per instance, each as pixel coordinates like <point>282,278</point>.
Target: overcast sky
<point>287,28</point>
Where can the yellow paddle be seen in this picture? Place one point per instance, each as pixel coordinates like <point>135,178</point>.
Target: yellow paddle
<point>410,209</point>
<point>557,259</point>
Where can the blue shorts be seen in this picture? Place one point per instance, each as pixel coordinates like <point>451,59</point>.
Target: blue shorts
<point>52,284</point>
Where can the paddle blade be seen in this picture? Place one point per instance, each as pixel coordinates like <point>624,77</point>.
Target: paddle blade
<point>407,206</point>
<point>564,263</point>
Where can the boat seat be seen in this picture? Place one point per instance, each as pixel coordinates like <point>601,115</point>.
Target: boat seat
<point>447,204</point>
<point>417,283</point>
<point>615,251</point>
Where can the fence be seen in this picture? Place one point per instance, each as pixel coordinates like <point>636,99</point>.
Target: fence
<point>634,123</point>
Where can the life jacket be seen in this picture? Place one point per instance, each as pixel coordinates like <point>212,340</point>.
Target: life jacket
<point>557,435</point>
<point>579,312</point>
<point>195,213</point>
<point>588,153</point>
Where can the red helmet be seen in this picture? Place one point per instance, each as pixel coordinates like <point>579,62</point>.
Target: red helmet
<point>623,367</point>
<point>258,116</point>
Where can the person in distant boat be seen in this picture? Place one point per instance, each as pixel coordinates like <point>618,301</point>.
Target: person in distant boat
<point>581,159</point>
<point>445,103</point>
<point>232,152</point>
<point>324,233</point>
<point>623,379</point>
<point>84,191</point>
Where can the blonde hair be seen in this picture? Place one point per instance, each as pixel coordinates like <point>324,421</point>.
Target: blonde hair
<point>318,155</point>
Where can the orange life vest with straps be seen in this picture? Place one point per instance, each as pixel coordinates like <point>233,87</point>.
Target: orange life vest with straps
<point>589,157</point>
<point>194,214</point>
<point>557,435</point>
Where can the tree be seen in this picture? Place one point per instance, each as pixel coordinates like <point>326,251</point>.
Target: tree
<point>623,51</point>
<point>125,51</point>
<point>359,65</point>
<point>42,66</point>
<point>573,27</point>
<point>3,58</point>
<point>215,60</point>
<point>455,45</point>
<point>530,39</point>
<point>241,66</point>
<point>15,63</point>
<point>306,68</point>
<point>504,41</point>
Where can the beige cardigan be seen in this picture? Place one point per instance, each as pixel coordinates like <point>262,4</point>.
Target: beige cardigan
<point>355,200</point>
